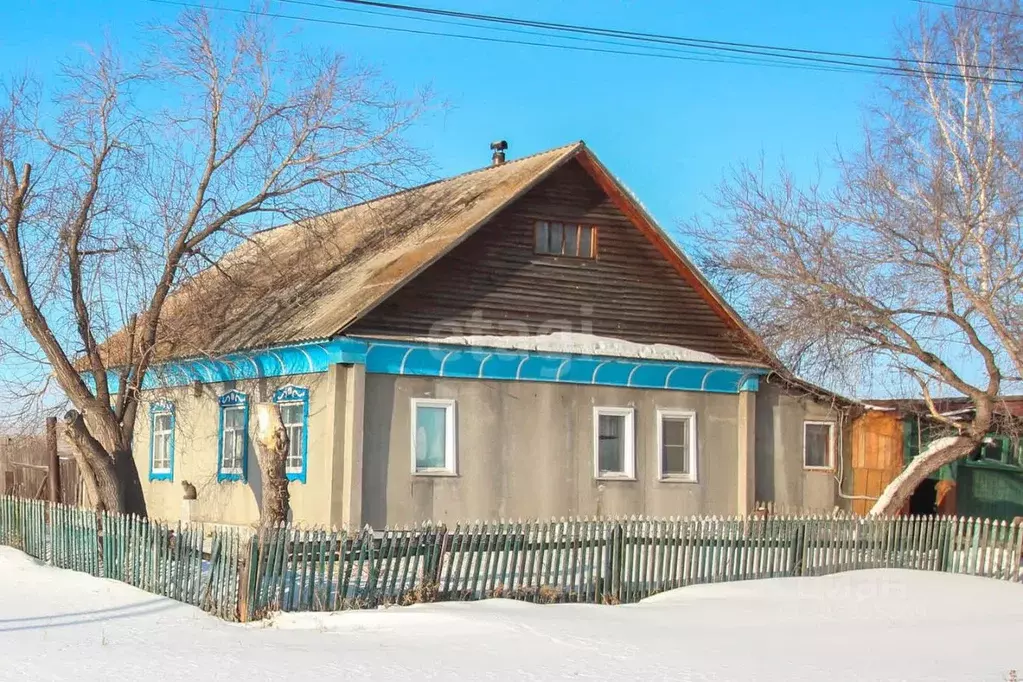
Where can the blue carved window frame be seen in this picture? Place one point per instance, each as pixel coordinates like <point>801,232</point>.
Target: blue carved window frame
<point>296,395</point>
<point>232,401</point>
<point>157,409</point>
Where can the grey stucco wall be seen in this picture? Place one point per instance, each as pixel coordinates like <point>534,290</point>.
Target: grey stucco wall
<point>780,476</point>
<point>525,449</point>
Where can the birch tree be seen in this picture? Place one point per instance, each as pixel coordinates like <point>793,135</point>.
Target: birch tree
<point>133,172</point>
<point>912,262</point>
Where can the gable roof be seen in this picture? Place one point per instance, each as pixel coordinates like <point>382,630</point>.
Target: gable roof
<point>311,280</point>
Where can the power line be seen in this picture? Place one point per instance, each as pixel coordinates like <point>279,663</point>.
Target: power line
<point>786,52</point>
<point>707,53</point>
<point>968,8</point>
<point>396,29</point>
<point>680,57</point>
<point>699,51</point>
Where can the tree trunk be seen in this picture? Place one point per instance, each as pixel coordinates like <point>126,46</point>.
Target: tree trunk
<point>272,447</point>
<point>92,457</point>
<point>939,453</point>
<point>132,495</point>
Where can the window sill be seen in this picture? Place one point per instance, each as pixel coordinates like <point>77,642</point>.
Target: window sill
<point>615,477</point>
<point>161,476</point>
<point>295,476</point>
<point>678,479</point>
<point>230,478</point>
<point>819,470</point>
<point>436,474</point>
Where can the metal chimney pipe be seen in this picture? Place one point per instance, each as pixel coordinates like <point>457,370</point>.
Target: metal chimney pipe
<point>498,147</point>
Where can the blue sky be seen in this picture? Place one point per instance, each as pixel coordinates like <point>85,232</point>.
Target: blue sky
<point>669,129</point>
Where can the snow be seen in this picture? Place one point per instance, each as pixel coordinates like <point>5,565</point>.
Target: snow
<point>866,625</point>
<point>575,342</point>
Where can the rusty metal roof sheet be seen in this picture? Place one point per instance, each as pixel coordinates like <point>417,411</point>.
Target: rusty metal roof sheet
<point>312,279</point>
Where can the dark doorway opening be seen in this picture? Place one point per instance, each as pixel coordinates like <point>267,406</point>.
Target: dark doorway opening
<point>924,499</point>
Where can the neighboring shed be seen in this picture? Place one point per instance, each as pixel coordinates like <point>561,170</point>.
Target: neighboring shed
<point>988,483</point>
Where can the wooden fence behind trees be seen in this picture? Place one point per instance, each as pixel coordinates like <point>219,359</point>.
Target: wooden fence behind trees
<point>24,469</point>
<point>238,574</point>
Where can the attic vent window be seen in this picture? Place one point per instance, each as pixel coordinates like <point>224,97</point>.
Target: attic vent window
<point>564,239</point>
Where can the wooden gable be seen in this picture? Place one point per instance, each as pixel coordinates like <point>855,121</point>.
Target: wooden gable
<point>493,283</point>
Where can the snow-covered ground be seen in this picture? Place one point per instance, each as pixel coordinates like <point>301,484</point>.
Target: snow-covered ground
<point>867,625</point>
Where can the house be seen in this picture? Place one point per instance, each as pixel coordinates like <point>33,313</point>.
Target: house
<point>521,340</point>
<point>988,483</point>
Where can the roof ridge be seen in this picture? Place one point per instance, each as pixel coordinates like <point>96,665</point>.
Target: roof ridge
<point>482,169</point>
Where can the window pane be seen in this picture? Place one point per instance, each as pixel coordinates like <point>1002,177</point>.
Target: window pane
<point>540,237</point>
<point>586,242</point>
<point>674,445</point>
<point>431,436</point>
<point>571,240</point>
<point>291,414</point>
<point>611,443</point>
<point>992,450</point>
<point>239,442</point>
<point>163,422</point>
<point>161,451</point>
<point>233,418</point>
<point>227,454</point>
<point>556,238</point>
<point>818,445</point>
<point>295,437</point>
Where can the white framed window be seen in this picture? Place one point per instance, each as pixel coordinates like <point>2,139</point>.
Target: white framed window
<point>161,441</point>
<point>433,437</point>
<point>293,416</point>
<point>293,402</point>
<point>234,437</point>
<point>614,443</point>
<point>676,445</point>
<point>818,445</point>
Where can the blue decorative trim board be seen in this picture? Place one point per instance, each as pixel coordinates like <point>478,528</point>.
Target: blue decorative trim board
<point>511,365</point>
<point>310,357</point>
<point>461,362</point>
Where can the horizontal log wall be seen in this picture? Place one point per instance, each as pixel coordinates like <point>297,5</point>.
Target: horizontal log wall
<point>494,283</point>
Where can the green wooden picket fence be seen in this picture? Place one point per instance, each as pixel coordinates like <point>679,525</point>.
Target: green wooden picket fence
<point>182,561</point>
<point>239,574</point>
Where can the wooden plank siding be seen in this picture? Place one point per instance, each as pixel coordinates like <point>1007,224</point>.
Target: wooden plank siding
<point>494,283</point>
<point>877,456</point>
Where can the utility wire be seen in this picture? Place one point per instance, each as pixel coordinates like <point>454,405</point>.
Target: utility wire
<point>728,59</point>
<point>671,49</point>
<point>968,8</point>
<point>761,58</point>
<point>787,52</point>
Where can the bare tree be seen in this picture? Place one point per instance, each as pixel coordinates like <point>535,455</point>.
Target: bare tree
<point>272,446</point>
<point>912,264</point>
<point>132,175</point>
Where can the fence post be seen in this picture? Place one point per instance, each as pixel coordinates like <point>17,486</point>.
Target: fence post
<point>435,557</point>
<point>53,459</point>
<point>616,555</point>
<point>246,566</point>
<point>797,548</point>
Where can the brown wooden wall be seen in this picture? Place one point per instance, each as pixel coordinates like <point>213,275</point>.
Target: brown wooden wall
<point>24,469</point>
<point>493,283</point>
<point>876,455</point>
